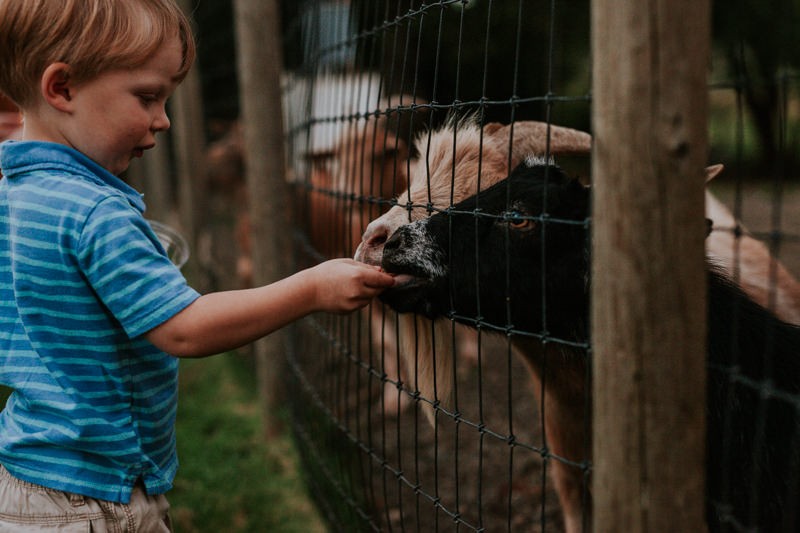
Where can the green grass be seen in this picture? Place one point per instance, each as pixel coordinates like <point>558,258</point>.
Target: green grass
<point>229,478</point>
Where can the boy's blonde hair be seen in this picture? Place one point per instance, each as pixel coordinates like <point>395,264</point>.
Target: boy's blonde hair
<point>91,36</point>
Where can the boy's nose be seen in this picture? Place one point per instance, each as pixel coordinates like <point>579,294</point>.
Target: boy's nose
<point>161,122</point>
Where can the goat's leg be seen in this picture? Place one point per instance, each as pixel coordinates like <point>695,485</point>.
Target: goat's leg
<point>567,428</point>
<point>384,341</point>
<point>467,344</point>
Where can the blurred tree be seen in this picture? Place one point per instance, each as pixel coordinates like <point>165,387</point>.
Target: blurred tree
<point>489,50</point>
<point>486,51</point>
<point>216,56</point>
<point>759,39</point>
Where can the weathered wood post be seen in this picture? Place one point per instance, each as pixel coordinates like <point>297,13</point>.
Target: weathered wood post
<point>189,146</point>
<point>259,66</point>
<point>151,174</point>
<point>649,105</point>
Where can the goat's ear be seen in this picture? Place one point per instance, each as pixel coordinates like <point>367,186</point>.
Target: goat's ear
<point>713,171</point>
<point>579,188</point>
<point>576,199</point>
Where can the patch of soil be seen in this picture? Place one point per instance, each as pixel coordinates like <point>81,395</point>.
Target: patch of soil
<point>479,467</point>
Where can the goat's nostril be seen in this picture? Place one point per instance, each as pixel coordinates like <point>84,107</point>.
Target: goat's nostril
<point>376,238</point>
<point>393,243</point>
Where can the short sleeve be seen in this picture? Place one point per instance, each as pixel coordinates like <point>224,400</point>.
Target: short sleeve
<point>128,268</point>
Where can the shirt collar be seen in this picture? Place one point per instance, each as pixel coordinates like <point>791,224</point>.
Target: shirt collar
<point>23,156</point>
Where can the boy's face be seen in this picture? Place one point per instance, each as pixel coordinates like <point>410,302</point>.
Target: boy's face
<point>117,114</point>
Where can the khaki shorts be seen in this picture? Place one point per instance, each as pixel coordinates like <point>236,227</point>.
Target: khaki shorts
<point>27,508</point>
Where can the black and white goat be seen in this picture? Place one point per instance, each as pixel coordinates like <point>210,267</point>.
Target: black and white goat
<point>452,163</point>
<point>500,258</point>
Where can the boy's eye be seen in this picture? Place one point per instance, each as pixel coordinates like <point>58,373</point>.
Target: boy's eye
<point>148,98</point>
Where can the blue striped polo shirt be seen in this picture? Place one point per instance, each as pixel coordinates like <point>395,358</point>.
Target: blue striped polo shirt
<point>82,278</point>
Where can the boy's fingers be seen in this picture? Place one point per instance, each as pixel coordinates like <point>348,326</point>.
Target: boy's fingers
<point>380,280</point>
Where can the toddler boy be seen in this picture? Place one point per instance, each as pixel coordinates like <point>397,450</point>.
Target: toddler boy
<point>92,312</point>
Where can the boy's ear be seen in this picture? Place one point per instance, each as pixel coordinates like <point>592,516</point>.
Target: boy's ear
<point>56,86</point>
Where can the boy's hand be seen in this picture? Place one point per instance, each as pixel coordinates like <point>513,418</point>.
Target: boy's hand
<point>344,285</point>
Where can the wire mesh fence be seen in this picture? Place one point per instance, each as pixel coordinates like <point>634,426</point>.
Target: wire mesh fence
<point>379,96</point>
<point>753,205</point>
<point>399,109</point>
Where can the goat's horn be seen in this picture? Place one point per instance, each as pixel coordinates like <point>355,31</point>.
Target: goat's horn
<point>530,137</point>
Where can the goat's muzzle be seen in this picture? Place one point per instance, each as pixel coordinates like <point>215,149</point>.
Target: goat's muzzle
<point>418,277</point>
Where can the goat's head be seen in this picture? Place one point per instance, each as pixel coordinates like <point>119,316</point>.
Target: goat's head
<point>458,160</point>
<point>488,257</point>
<point>352,181</point>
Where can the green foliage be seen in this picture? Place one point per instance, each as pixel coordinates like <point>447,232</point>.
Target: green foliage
<point>466,53</point>
<point>764,31</point>
<point>757,53</point>
<point>732,134</point>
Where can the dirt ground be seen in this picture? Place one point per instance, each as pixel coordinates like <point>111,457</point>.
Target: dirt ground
<point>466,473</point>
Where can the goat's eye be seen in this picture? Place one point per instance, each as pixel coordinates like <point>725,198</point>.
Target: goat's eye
<point>517,220</point>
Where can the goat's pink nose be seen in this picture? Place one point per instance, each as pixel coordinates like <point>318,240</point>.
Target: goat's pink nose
<point>371,248</point>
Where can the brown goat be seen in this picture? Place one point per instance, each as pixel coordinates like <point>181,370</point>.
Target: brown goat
<point>765,279</point>
<point>352,183</point>
<point>348,184</point>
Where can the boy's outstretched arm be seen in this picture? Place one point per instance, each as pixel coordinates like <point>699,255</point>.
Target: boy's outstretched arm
<point>222,321</point>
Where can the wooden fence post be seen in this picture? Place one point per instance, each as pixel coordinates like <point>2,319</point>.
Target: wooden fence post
<point>259,67</point>
<point>649,105</point>
<point>189,146</point>
<point>151,174</point>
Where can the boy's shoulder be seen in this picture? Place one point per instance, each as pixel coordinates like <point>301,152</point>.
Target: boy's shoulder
<point>60,172</point>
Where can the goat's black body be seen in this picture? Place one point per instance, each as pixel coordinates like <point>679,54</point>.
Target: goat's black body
<point>753,438</point>
<point>459,265</point>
